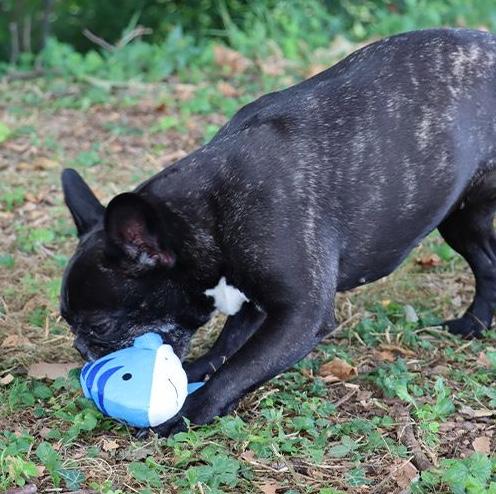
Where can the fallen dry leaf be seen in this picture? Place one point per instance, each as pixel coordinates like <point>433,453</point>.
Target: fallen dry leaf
<point>482,444</point>
<point>23,165</point>
<point>470,412</point>
<point>315,68</point>
<point>6,380</point>
<point>483,361</point>
<point>14,340</point>
<point>337,370</point>
<point>43,163</point>
<point>110,445</point>
<point>440,370</point>
<point>184,92</point>
<point>17,147</point>
<point>174,156</point>
<point>429,260</point>
<point>307,373</point>
<point>45,432</point>
<point>364,395</point>
<point>384,356</point>
<point>45,370</point>
<point>405,474</point>
<point>227,90</point>
<point>268,488</point>
<point>397,348</point>
<point>248,456</point>
<point>233,61</point>
<point>31,198</point>
<point>447,426</point>
<point>138,454</point>
<point>273,66</point>
<point>40,163</point>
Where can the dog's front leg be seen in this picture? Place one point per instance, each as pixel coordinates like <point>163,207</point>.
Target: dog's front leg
<point>289,332</point>
<point>236,331</point>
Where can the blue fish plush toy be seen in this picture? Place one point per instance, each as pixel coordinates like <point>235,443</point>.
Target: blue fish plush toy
<point>142,386</point>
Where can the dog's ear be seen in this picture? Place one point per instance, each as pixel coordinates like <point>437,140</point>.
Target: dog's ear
<point>132,226</point>
<point>85,208</point>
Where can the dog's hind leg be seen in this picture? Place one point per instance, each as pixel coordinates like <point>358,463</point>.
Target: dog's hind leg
<point>469,230</point>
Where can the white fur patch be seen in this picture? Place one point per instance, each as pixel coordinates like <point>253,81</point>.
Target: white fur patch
<point>227,298</point>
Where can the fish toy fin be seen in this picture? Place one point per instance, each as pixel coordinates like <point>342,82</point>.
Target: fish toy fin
<point>151,341</point>
<point>192,387</point>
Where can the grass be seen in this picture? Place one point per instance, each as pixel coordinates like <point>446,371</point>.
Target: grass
<point>421,406</point>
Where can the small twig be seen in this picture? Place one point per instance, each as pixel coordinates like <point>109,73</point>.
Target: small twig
<point>126,38</point>
<point>462,347</point>
<point>130,488</point>
<point>357,336</point>
<point>97,40</point>
<point>347,396</point>
<point>325,467</point>
<point>406,435</point>
<point>135,33</point>
<point>344,323</point>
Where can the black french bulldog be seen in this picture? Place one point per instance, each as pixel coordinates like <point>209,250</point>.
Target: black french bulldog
<point>308,191</point>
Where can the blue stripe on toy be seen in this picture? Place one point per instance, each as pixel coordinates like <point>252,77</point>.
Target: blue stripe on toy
<point>100,386</point>
<point>94,371</point>
<point>85,370</point>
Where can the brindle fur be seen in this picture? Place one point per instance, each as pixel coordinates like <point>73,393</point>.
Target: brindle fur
<point>318,188</point>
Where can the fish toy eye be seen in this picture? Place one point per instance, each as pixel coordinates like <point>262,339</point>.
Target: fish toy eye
<point>127,376</point>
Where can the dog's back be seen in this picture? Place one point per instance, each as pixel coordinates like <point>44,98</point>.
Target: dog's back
<point>381,146</point>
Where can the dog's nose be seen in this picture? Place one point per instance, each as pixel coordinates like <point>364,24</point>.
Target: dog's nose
<point>81,346</point>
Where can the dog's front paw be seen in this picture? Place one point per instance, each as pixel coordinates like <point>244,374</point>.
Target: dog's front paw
<point>172,426</point>
<point>198,370</point>
<point>199,408</point>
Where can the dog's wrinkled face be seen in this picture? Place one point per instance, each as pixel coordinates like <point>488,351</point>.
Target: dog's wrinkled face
<point>121,281</point>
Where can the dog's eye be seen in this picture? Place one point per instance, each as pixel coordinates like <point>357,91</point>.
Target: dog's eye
<point>99,329</point>
<point>127,376</point>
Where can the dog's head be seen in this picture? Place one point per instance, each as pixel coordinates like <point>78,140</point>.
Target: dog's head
<point>124,278</point>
